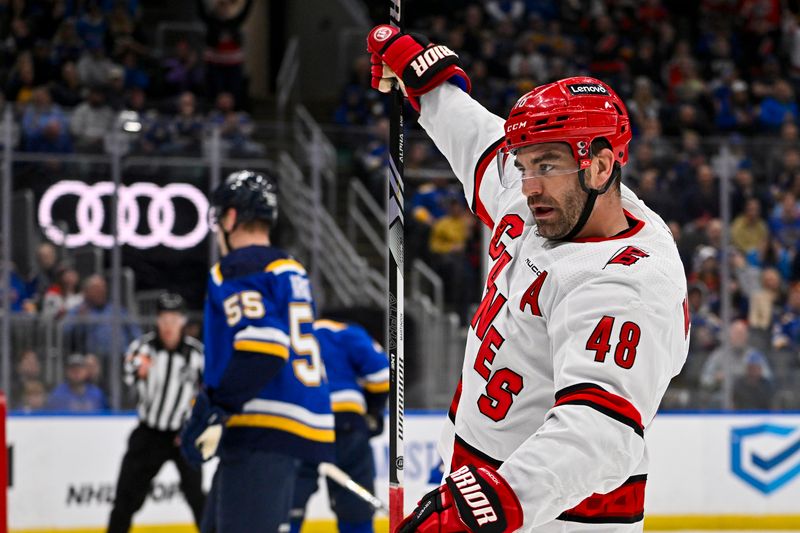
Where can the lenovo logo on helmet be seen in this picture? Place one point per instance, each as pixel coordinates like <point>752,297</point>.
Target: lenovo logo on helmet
<point>583,89</point>
<point>517,126</point>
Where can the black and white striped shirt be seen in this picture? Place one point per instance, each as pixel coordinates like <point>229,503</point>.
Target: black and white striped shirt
<point>166,393</point>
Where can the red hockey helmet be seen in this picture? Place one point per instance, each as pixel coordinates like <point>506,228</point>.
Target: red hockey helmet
<point>573,110</point>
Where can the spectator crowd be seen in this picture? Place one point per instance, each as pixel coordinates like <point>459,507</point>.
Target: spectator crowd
<point>70,68</point>
<point>78,311</point>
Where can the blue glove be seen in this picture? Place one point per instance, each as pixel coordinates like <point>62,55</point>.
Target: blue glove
<point>201,433</point>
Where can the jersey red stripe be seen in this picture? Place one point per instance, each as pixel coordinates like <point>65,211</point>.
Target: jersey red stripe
<point>604,401</point>
<point>480,169</point>
<point>687,320</point>
<point>451,413</point>
<point>464,454</point>
<point>623,504</point>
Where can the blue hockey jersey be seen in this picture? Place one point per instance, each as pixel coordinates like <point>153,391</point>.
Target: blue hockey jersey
<point>357,367</point>
<point>259,318</point>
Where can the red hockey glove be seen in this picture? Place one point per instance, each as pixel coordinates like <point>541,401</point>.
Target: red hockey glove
<point>420,65</point>
<point>472,499</point>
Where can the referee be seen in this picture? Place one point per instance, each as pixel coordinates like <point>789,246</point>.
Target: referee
<point>166,366</point>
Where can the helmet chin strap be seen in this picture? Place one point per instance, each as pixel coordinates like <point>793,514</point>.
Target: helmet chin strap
<point>223,243</point>
<point>226,235</point>
<point>589,205</point>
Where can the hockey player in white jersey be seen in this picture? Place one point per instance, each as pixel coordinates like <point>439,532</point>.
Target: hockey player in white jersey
<point>583,321</point>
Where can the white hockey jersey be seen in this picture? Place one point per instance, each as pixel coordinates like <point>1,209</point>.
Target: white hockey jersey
<point>571,349</point>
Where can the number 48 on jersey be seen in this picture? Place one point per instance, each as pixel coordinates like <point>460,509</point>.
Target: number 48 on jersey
<point>625,351</point>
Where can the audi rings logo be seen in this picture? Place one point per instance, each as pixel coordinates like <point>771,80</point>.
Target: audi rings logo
<point>90,214</point>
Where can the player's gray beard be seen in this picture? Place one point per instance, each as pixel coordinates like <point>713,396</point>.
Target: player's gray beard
<point>567,215</point>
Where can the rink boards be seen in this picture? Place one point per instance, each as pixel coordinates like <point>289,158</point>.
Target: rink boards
<point>708,471</point>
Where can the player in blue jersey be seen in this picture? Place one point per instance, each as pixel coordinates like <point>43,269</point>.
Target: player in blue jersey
<point>266,404</point>
<point>358,372</point>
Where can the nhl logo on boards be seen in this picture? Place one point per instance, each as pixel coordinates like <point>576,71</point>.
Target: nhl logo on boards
<point>627,256</point>
<point>587,89</point>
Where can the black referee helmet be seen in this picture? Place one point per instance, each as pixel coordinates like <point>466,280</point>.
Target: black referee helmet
<point>170,301</point>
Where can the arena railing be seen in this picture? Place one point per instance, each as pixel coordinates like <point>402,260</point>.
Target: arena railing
<point>287,77</point>
<point>350,279</point>
<point>421,272</point>
<point>363,212</point>
<point>437,350</point>
<point>314,150</point>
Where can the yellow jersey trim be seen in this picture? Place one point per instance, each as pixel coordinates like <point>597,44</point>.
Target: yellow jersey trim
<point>268,348</point>
<point>382,386</point>
<point>330,324</point>
<point>347,407</point>
<point>284,424</point>
<point>216,274</point>
<point>285,264</point>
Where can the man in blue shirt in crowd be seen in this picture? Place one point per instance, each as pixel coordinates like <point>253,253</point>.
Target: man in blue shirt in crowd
<point>88,327</point>
<point>76,394</point>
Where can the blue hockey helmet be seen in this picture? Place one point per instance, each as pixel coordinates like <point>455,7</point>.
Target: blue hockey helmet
<point>254,195</point>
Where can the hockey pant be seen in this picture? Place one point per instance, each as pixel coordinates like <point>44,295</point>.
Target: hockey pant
<point>354,456</point>
<point>251,493</point>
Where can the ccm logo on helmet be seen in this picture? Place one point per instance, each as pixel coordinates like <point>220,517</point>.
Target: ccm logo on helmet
<point>518,125</point>
<point>582,89</point>
<point>471,491</point>
<point>428,58</point>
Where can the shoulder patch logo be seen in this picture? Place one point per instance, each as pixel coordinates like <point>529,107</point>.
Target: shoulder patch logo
<point>627,256</point>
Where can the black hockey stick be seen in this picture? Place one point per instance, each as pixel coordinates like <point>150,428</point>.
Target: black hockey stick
<point>394,335</point>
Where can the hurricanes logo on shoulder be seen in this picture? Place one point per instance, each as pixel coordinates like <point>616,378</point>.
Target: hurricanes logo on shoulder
<point>627,256</point>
